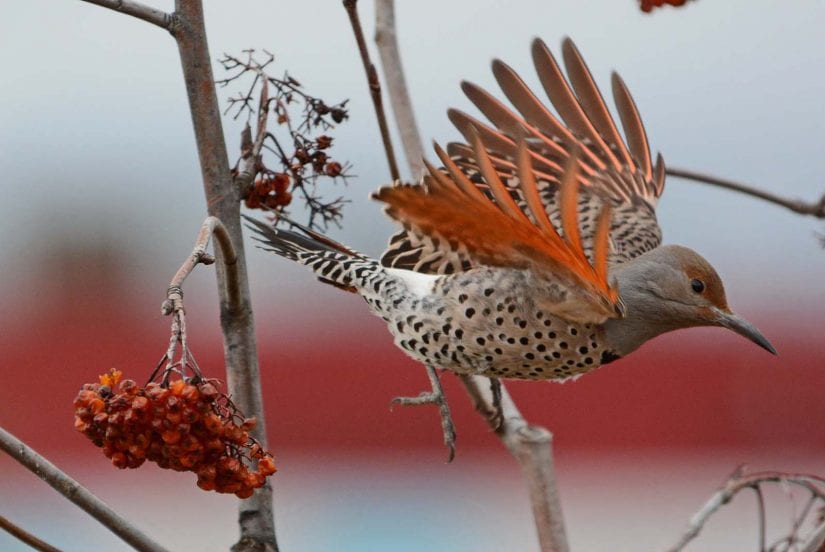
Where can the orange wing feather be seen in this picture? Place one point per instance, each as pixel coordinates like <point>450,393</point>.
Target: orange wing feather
<point>497,233</point>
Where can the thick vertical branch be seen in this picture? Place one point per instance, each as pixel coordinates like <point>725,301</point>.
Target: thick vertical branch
<point>530,445</point>
<point>387,41</point>
<point>223,201</point>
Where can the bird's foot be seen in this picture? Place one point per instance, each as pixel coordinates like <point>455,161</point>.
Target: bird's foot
<point>498,415</point>
<point>436,397</point>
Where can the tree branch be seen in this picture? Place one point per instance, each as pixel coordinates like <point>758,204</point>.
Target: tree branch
<point>211,226</point>
<point>136,9</point>
<point>816,209</point>
<point>78,494</point>
<point>531,445</point>
<point>25,537</point>
<point>223,201</point>
<point>375,87</point>
<point>815,485</point>
<point>390,55</point>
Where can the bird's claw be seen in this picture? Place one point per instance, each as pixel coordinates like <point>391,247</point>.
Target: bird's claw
<point>436,397</point>
<point>497,417</point>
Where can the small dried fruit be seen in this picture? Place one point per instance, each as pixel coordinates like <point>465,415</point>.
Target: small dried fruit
<point>187,426</point>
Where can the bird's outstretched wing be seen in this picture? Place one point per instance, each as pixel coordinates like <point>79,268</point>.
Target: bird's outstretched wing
<point>611,170</point>
<point>455,215</point>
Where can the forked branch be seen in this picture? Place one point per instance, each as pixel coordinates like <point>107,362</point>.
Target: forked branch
<point>739,481</point>
<point>77,493</point>
<point>211,226</point>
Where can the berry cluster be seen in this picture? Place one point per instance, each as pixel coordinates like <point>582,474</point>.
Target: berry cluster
<point>183,426</point>
<point>309,162</point>
<point>648,5</point>
<point>270,190</point>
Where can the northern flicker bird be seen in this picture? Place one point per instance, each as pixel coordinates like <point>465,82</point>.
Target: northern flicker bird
<point>534,253</point>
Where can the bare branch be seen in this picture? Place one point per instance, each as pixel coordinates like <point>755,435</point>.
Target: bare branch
<point>532,446</point>
<point>815,541</point>
<point>388,51</point>
<point>77,493</point>
<point>212,225</point>
<point>814,484</point>
<point>223,201</point>
<point>816,209</point>
<point>136,9</point>
<point>375,87</point>
<point>24,536</point>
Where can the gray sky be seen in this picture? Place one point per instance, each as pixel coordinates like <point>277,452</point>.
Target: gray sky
<point>96,143</point>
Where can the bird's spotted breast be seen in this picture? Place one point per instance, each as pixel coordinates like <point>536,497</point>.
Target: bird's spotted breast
<point>486,322</point>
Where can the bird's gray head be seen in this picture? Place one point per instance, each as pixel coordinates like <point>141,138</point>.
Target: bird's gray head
<point>668,288</point>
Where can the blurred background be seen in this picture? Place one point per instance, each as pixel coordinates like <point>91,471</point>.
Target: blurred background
<point>102,200</point>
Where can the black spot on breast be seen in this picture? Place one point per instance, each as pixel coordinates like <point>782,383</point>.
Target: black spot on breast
<point>609,356</point>
<point>469,313</point>
<point>524,341</point>
<point>488,292</point>
<point>462,297</point>
<point>480,340</point>
<point>583,350</point>
<point>459,333</point>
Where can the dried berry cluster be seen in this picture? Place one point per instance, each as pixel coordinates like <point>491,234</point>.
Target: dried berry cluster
<point>272,189</point>
<point>648,5</point>
<point>289,153</point>
<point>185,426</point>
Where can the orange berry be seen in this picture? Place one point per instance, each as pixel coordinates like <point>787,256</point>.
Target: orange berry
<point>119,460</point>
<point>266,466</point>
<point>170,436</point>
<point>190,393</point>
<point>177,387</point>
<point>206,484</point>
<point>244,493</point>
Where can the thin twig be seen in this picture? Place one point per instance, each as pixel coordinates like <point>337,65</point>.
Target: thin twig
<point>737,482</point>
<point>211,226</point>
<point>77,493</point>
<point>136,9</point>
<point>223,201</point>
<point>815,541</point>
<point>375,87</point>
<point>24,536</point>
<point>815,209</point>
<point>532,446</point>
<point>388,51</point>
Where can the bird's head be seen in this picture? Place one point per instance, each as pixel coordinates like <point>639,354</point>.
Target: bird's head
<point>673,287</point>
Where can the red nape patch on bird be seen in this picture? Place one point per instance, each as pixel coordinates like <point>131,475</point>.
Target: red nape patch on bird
<point>182,425</point>
<point>648,5</point>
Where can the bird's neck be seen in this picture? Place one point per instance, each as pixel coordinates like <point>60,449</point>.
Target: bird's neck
<point>645,317</point>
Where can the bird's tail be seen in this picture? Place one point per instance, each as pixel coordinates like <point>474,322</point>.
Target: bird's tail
<point>332,262</point>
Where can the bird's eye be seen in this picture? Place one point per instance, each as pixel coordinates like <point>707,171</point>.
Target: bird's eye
<point>697,285</point>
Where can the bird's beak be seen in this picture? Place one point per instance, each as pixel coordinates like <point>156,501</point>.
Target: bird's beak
<point>743,328</point>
